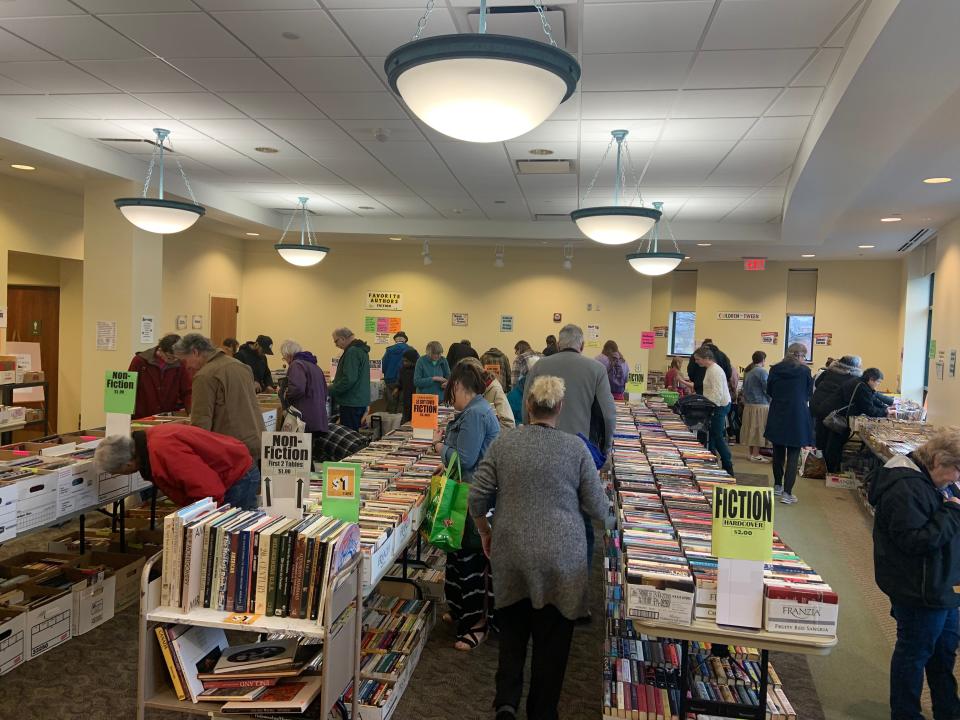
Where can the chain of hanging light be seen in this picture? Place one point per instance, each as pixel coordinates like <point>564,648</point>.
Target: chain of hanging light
<point>307,252</point>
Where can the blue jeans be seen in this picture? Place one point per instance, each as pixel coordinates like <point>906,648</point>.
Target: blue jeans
<point>718,437</point>
<point>351,416</point>
<point>243,493</point>
<point>926,640</point>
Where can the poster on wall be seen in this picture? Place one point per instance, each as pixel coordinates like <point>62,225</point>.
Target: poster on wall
<point>181,322</point>
<point>557,317</point>
<point>769,337</point>
<point>739,316</point>
<point>384,300</point>
<point>106,335</point>
<point>953,363</point>
<point>3,317</point>
<point>506,323</point>
<point>146,329</point>
<point>197,322</point>
<point>823,339</point>
<point>381,338</point>
<point>660,330</point>
<point>459,319</point>
<point>376,370</point>
<point>593,336</point>
<point>647,339</point>
<point>373,324</point>
<point>369,324</point>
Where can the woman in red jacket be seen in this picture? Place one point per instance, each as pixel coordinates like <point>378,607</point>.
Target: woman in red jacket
<point>185,462</point>
<point>163,384</point>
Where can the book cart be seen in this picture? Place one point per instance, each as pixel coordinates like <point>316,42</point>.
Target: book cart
<point>709,631</point>
<point>341,660</point>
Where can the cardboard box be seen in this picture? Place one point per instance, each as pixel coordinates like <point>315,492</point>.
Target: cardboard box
<point>800,611</point>
<point>32,376</point>
<point>8,369</point>
<point>13,639</point>
<point>669,603</point>
<point>36,500</point>
<point>126,568</point>
<point>49,618</point>
<point>27,448</point>
<point>841,481</point>
<point>102,537</point>
<point>21,561</point>
<point>93,599</point>
<point>12,414</point>
<point>138,482</point>
<point>375,565</point>
<point>77,490</point>
<point>270,416</point>
<point>9,493</point>
<point>112,487</point>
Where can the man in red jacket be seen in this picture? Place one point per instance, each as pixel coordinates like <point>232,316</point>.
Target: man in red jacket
<point>185,462</point>
<point>163,383</point>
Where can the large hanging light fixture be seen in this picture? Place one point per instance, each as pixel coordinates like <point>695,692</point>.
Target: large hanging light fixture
<point>157,215</point>
<point>306,252</point>
<point>481,87</point>
<point>651,261</point>
<point>616,224</point>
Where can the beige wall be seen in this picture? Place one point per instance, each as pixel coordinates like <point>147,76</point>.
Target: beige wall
<point>944,395</point>
<point>531,287</point>
<point>196,265</point>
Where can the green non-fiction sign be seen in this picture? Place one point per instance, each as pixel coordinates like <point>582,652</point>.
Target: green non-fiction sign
<point>120,392</point>
<point>933,349</point>
<point>742,522</point>
<point>341,491</point>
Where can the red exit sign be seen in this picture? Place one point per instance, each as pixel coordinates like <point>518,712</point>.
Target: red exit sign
<point>754,263</point>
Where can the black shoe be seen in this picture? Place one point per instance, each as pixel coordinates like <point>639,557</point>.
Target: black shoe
<point>585,620</point>
<point>506,713</point>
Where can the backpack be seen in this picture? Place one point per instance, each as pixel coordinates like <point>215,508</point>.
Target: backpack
<point>616,375</point>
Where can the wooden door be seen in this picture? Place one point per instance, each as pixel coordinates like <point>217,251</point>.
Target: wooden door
<point>34,316</point>
<point>223,319</point>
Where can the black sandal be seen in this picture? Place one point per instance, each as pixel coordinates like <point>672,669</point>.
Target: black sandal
<point>472,638</point>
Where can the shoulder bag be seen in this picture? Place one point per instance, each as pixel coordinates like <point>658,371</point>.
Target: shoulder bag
<point>837,422</point>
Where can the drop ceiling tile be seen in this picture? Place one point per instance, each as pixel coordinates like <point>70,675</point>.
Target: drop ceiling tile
<point>551,131</point>
<point>144,129</point>
<point>635,71</point>
<point>308,131</point>
<point>627,105</point>
<point>549,186</point>
<point>755,162</point>
<point>773,190</point>
<point>723,103</point>
<point>779,128</point>
<point>230,5</point>
<point>685,163</point>
<point>38,8</point>
<point>569,109</point>
<point>319,75</point>
<point>380,32</point>
<point>41,106</point>
<point>14,48</point>
<point>592,154</point>
<point>359,105</point>
<point>141,149</point>
<point>707,209</point>
<point>207,150</point>
<point>646,26</point>
<point>277,105</point>
<point>132,6</point>
<point>140,75</point>
<point>303,170</point>
<point>179,35</point>
<point>351,4</point>
<point>409,207</point>
<point>232,75</point>
<point>396,131</point>
<point>92,128</point>
<point>755,210</point>
<point>559,150</point>
<point>190,105</point>
<point>76,37</point>
<point>745,68</point>
<point>796,101</point>
<point>842,34</point>
<point>744,24</point>
<point>639,130</point>
<point>707,128</point>
<point>114,106</point>
<point>229,130</point>
<point>53,77</point>
<point>263,32</point>
<point>718,192</point>
<point>820,69</point>
<point>10,87</point>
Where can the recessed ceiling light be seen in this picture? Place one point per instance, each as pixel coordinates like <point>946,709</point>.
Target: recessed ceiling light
<point>396,238</point>
<point>543,242</point>
<point>892,218</point>
<point>499,202</point>
<point>365,207</point>
<point>866,247</point>
<point>687,257</point>
<point>289,35</point>
<point>267,150</point>
<point>704,244</point>
<point>541,151</point>
<point>22,167</point>
<point>457,211</point>
<point>808,256</point>
<point>937,180</point>
<point>253,234</point>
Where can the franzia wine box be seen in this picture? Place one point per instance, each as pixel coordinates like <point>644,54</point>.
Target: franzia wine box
<point>801,609</point>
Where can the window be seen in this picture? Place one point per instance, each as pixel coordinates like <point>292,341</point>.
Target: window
<point>800,330</point>
<point>926,349</point>
<point>682,325</point>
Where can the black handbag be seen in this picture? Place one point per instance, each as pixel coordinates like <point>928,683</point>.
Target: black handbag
<point>835,422</point>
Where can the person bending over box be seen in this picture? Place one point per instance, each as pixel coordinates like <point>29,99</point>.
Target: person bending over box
<point>186,463</point>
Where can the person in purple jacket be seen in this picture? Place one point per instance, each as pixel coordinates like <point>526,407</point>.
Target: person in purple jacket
<point>306,386</point>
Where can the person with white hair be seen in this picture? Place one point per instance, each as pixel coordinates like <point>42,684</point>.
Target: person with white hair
<point>306,386</point>
<point>351,383</point>
<point>185,463</point>
<point>537,550</point>
<point>224,400</point>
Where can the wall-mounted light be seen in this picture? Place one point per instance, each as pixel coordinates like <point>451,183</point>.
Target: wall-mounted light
<point>427,260</point>
<point>568,256</point>
<point>498,257</point>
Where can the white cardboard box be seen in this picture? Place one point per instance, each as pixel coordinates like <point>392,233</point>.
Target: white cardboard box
<point>375,565</point>
<point>841,481</point>
<point>36,500</point>
<point>8,511</point>
<point>797,617</point>
<point>93,600</point>
<point>138,482</point>
<point>270,419</point>
<point>78,490</point>
<point>112,487</point>
<point>49,624</point>
<point>13,634</point>
<point>646,602</point>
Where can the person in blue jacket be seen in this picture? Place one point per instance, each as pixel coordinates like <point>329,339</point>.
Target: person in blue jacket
<point>432,370</point>
<point>392,360</point>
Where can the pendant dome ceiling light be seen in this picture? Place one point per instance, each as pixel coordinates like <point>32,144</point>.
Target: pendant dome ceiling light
<point>306,252</point>
<point>616,224</point>
<point>160,216</point>
<point>651,261</point>
<point>480,87</point>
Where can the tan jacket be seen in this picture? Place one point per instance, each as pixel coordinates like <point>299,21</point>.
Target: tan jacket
<point>501,406</point>
<point>224,401</point>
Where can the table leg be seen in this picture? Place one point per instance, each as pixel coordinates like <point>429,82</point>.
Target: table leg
<point>762,690</point>
<point>123,534</point>
<point>153,508</point>
<point>83,534</point>
<point>684,659</point>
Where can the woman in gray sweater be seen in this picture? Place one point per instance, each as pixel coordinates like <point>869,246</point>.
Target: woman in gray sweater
<point>540,479</point>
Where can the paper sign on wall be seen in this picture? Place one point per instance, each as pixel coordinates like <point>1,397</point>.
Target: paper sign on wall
<point>394,325</point>
<point>557,317</point>
<point>647,340</point>
<point>376,369</point>
<point>383,324</point>
<point>738,316</point>
<point>506,323</point>
<point>823,339</point>
<point>661,330</point>
<point>933,349</point>
<point>742,522</point>
<point>593,336</point>
<point>769,337</point>
<point>286,462</point>
<point>384,300</point>
<point>107,335</point>
<point>341,491</point>
<point>197,322</point>
<point>369,324</point>
<point>3,317</point>
<point>181,322</point>
<point>120,392</point>
<point>424,418</point>
<point>953,363</point>
<point>381,338</point>
<point>459,319</point>
<point>146,329</point>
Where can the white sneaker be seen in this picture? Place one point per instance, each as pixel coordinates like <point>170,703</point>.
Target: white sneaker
<point>778,489</point>
<point>763,459</point>
<point>788,499</point>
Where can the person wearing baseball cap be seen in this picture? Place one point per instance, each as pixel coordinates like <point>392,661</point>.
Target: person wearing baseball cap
<point>392,360</point>
<point>254,354</point>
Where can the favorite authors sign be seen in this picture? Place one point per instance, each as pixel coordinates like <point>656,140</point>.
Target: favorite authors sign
<point>384,300</point>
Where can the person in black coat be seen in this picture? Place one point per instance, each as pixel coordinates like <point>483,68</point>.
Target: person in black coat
<point>697,373</point>
<point>406,386</point>
<point>829,391</point>
<point>916,554</point>
<point>458,351</point>
<point>789,427</point>
<point>859,397</point>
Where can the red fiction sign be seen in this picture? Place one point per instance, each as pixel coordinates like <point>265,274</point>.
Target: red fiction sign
<point>754,263</point>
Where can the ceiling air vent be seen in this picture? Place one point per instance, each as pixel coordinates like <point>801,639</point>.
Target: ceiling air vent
<point>916,240</point>
<point>544,167</point>
<point>552,216</point>
<point>522,21</point>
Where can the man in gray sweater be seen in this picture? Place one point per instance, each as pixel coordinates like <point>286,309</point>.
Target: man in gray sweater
<point>588,406</point>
